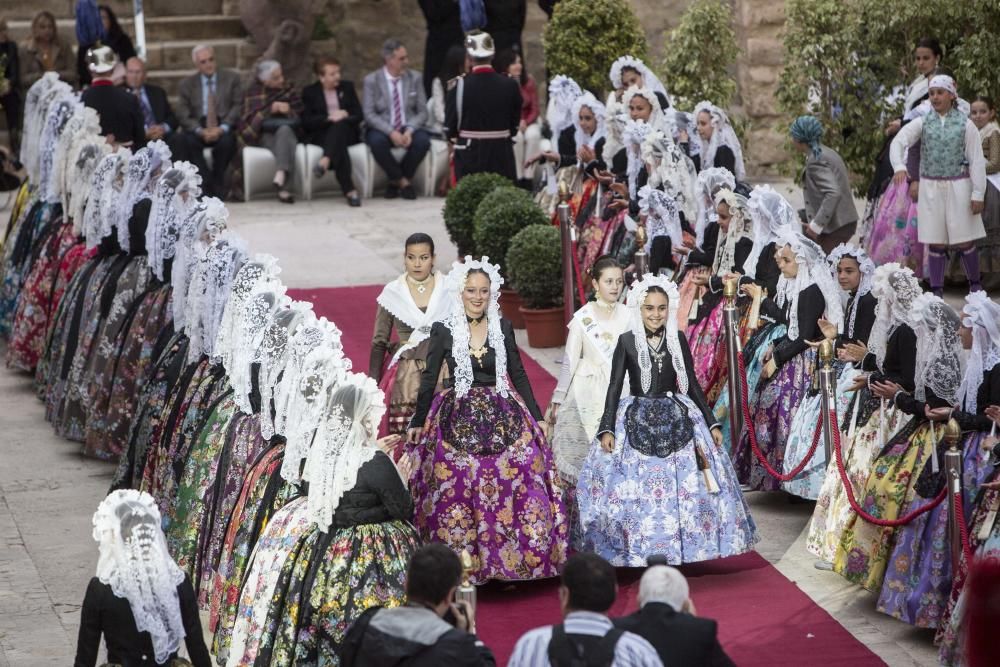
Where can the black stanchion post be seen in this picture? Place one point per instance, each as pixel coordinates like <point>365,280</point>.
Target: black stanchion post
<point>731,322</point>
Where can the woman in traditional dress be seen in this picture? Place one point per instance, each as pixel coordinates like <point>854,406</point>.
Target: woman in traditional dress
<point>805,292</point>
<point>326,557</point>
<point>984,116</point>
<point>656,481</point>
<point>140,601</point>
<point>897,480</point>
<point>719,145</point>
<point>854,271</point>
<point>889,357</point>
<point>627,72</point>
<point>918,581</point>
<point>484,481</point>
<point>410,304</point>
<point>952,182</point>
<point>577,403</point>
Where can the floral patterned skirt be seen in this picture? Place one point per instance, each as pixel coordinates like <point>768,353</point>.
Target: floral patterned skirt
<point>633,505</point>
<point>772,407</point>
<point>893,236</point>
<point>863,553</point>
<point>707,340</point>
<point>484,482</point>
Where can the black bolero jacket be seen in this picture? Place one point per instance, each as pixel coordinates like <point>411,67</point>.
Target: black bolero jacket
<point>767,271</point>
<point>626,360</point>
<point>314,114</point>
<point>864,320</point>
<point>379,495</point>
<point>441,351</point>
<point>900,363</point>
<point>811,305</point>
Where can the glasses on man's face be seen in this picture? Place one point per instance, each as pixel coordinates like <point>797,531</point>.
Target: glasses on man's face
<point>205,61</point>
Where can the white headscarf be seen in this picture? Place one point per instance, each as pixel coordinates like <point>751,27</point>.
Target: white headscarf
<point>174,196</point>
<point>580,137</point>
<point>772,216</point>
<point>983,316</point>
<point>649,79</point>
<point>662,218</point>
<point>135,563</point>
<point>143,167</point>
<point>722,135</point>
<point>636,298</point>
<point>867,268</point>
<point>896,288</point>
<point>60,112</point>
<point>88,156</point>
<point>344,442</point>
<point>559,112</point>
<point>813,270</point>
<point>939,363</point>
<point>97,217</point>
<point>203,224</point>
<point>709,181</point>
<point>459,325</point>
<point>739,228</point>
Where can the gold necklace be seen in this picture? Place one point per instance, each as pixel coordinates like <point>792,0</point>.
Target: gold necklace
<point>604,305</point>
<point>419,285</point>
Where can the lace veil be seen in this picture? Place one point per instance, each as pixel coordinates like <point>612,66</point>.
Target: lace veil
<point>275,350</point>
<point>867,268</point>
<point>649,79</point>
<point>135,563</point>
<point>89,155</point>
<point>710,181</point>
<point>59,114</point>
<point>36,108</point>
<point>260,269</point>
<point>97,218</point>
<point>739,228</point>
<point>459,325</point>
<point>588,100</point>
<point>662,218</point>
<point>563,91</point>
<point>636,297</point>
<point>206,220</point>
<point>812,270</point>
<point>896,288</point>
<point>939,363</point>
<point>174,196</point>
<point>982,316</point>
<point>208,292</point>
<point>771,215</point>
<point>722,135</point>
<point>144,166</point>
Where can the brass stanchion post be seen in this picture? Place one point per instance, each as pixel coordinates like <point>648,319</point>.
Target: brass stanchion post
<point>466,591</point>
<point>828,389</point>
<point>953,468</point>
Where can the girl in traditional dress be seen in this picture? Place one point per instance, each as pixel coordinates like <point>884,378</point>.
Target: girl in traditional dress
<point>889,357</point>
<point>627,72</point>
<point>854,271</point>
<point>984,116</point>
<point>805,292</point>
<point>719,145</point>
<point>952,182</point>
<point>657,481</point>
<point>897,480</point>
<point>484,481</point>
<point>578,401</point>
<point>327,556</point>
<point>410,304</point>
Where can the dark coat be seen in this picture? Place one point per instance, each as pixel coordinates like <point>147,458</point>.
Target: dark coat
<point>160,105</point>
<point>315,118</point>
<point>810,307</point>
<point>444,30</point>
<point>491,102</point>
<point>120,113</point>
<point>378,495</point>
<point>682,640</point>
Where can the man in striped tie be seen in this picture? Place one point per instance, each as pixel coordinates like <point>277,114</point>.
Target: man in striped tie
<point>395,110</point>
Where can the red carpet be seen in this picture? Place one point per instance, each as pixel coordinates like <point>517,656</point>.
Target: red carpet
<point>764,619</point>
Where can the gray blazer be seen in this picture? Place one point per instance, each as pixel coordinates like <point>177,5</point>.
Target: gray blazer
<point>826,190</point>
<point>228,99</point>
<point>377,104</point>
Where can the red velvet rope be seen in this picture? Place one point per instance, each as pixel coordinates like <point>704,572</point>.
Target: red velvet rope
<point>753,436</point>
<point>963,529</point>
<point>576,271</point>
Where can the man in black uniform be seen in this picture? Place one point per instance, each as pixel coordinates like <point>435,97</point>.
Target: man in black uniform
<point>121,116</point>
<point>483,114</point>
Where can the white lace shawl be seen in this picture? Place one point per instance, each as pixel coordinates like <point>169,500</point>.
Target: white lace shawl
<point>895,287</point>
<point>580,137</point>
<point>262,268</point>
<point>649,79</point>
<point>982,316</point>
<point>812,270</point>
<point>662,218</point>
<point>867,269</point>
<point>633,136</point>
<point>275,349</point>
<point>87,129</point>
<point>135,562</point>
<point>174,197</point>
<point>772,215</point>
<point>722,135</point>
<point>459,325</point>
<point>739,228</point>
<point>203,224</point>
<point>59,114</point>
<point>97,216</point>
<point>636,297</point>
<point>258,312</point>
<point>398,301</point>
<point>710,180</point>
<point>37,100</point>
<point>209,290</point>
<point>90,154</point>
<point>939,363</point>
<point>616,115</point>
<point>558,113</point>
<point>143,167</point>
<point>344,442</point>
<point>323,370</point>
<point>312,334</point>
<point>62,156</point>
<point>672,171</point>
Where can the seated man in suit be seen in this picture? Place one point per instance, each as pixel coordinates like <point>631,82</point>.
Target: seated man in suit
<point>158,118</point>
<point>209,110</point>
<point>331,118</point>
<point>121,117</point>
<point>666,618</point>
<point>395,109</point>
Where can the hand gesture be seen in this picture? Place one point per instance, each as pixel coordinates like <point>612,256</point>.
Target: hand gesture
<point>886,389</point>
<point>938,414</point>
<point>855,352</point>
<point>977,207</point>
<point>700,279</point>
<point>413,435</point>
<point>717,436</point>
<point>605,177</point>
<point>388,443</point>
<point>859,383</point>
<point>405,465</point>
<point>828,328</point>
<point>752,290</point>
<point>914,191</point>
<point>899,177</point>
<point>586,154</point>
<point>608,442</point>
<point>993,412</point>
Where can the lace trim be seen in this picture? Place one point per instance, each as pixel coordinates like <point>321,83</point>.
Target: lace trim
<point>459,326</point>
<point>636,297</point>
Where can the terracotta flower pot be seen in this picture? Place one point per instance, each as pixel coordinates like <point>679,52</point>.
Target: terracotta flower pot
<point>510,307</point>
<point>546,327</point>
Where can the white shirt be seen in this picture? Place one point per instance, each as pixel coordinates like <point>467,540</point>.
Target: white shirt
<point>911,132</point>
<point>532,649</point>
<point>391,81</point>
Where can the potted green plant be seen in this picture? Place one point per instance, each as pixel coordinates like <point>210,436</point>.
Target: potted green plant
<point>460,208</point>
<point>535,264</point>
<point>502,214</point>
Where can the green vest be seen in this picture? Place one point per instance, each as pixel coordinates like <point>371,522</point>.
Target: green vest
<point>942,146</point>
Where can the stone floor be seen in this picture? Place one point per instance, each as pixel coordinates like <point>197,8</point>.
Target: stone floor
<point>48,492</point>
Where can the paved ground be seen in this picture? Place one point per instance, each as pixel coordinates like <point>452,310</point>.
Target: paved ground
<point>48,492</point>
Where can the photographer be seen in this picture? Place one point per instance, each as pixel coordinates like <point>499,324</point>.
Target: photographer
<point>429,630</point>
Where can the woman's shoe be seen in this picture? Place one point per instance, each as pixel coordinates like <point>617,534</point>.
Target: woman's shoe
<point>354,200</point>
<point>319,171</point>
<point>286,197</point>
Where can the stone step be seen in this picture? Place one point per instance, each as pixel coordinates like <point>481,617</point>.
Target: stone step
<point>176,54</point>
<point>158,28</point>
<point>64,9</point>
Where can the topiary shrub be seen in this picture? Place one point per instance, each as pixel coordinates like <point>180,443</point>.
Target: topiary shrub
<point>502,214</point>
<point>698,53</point>
<point>535,263</point>
<point>460,208</point>
<point>584,37</point>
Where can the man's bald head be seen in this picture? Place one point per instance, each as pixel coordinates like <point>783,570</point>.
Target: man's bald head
<point>135,72</point>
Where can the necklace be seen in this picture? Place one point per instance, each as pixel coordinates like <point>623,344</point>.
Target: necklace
<point>419,285</point>
<point>474,320</point>
<point>657,353</point>
<point>478,353</point>
<point>604,305</point>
